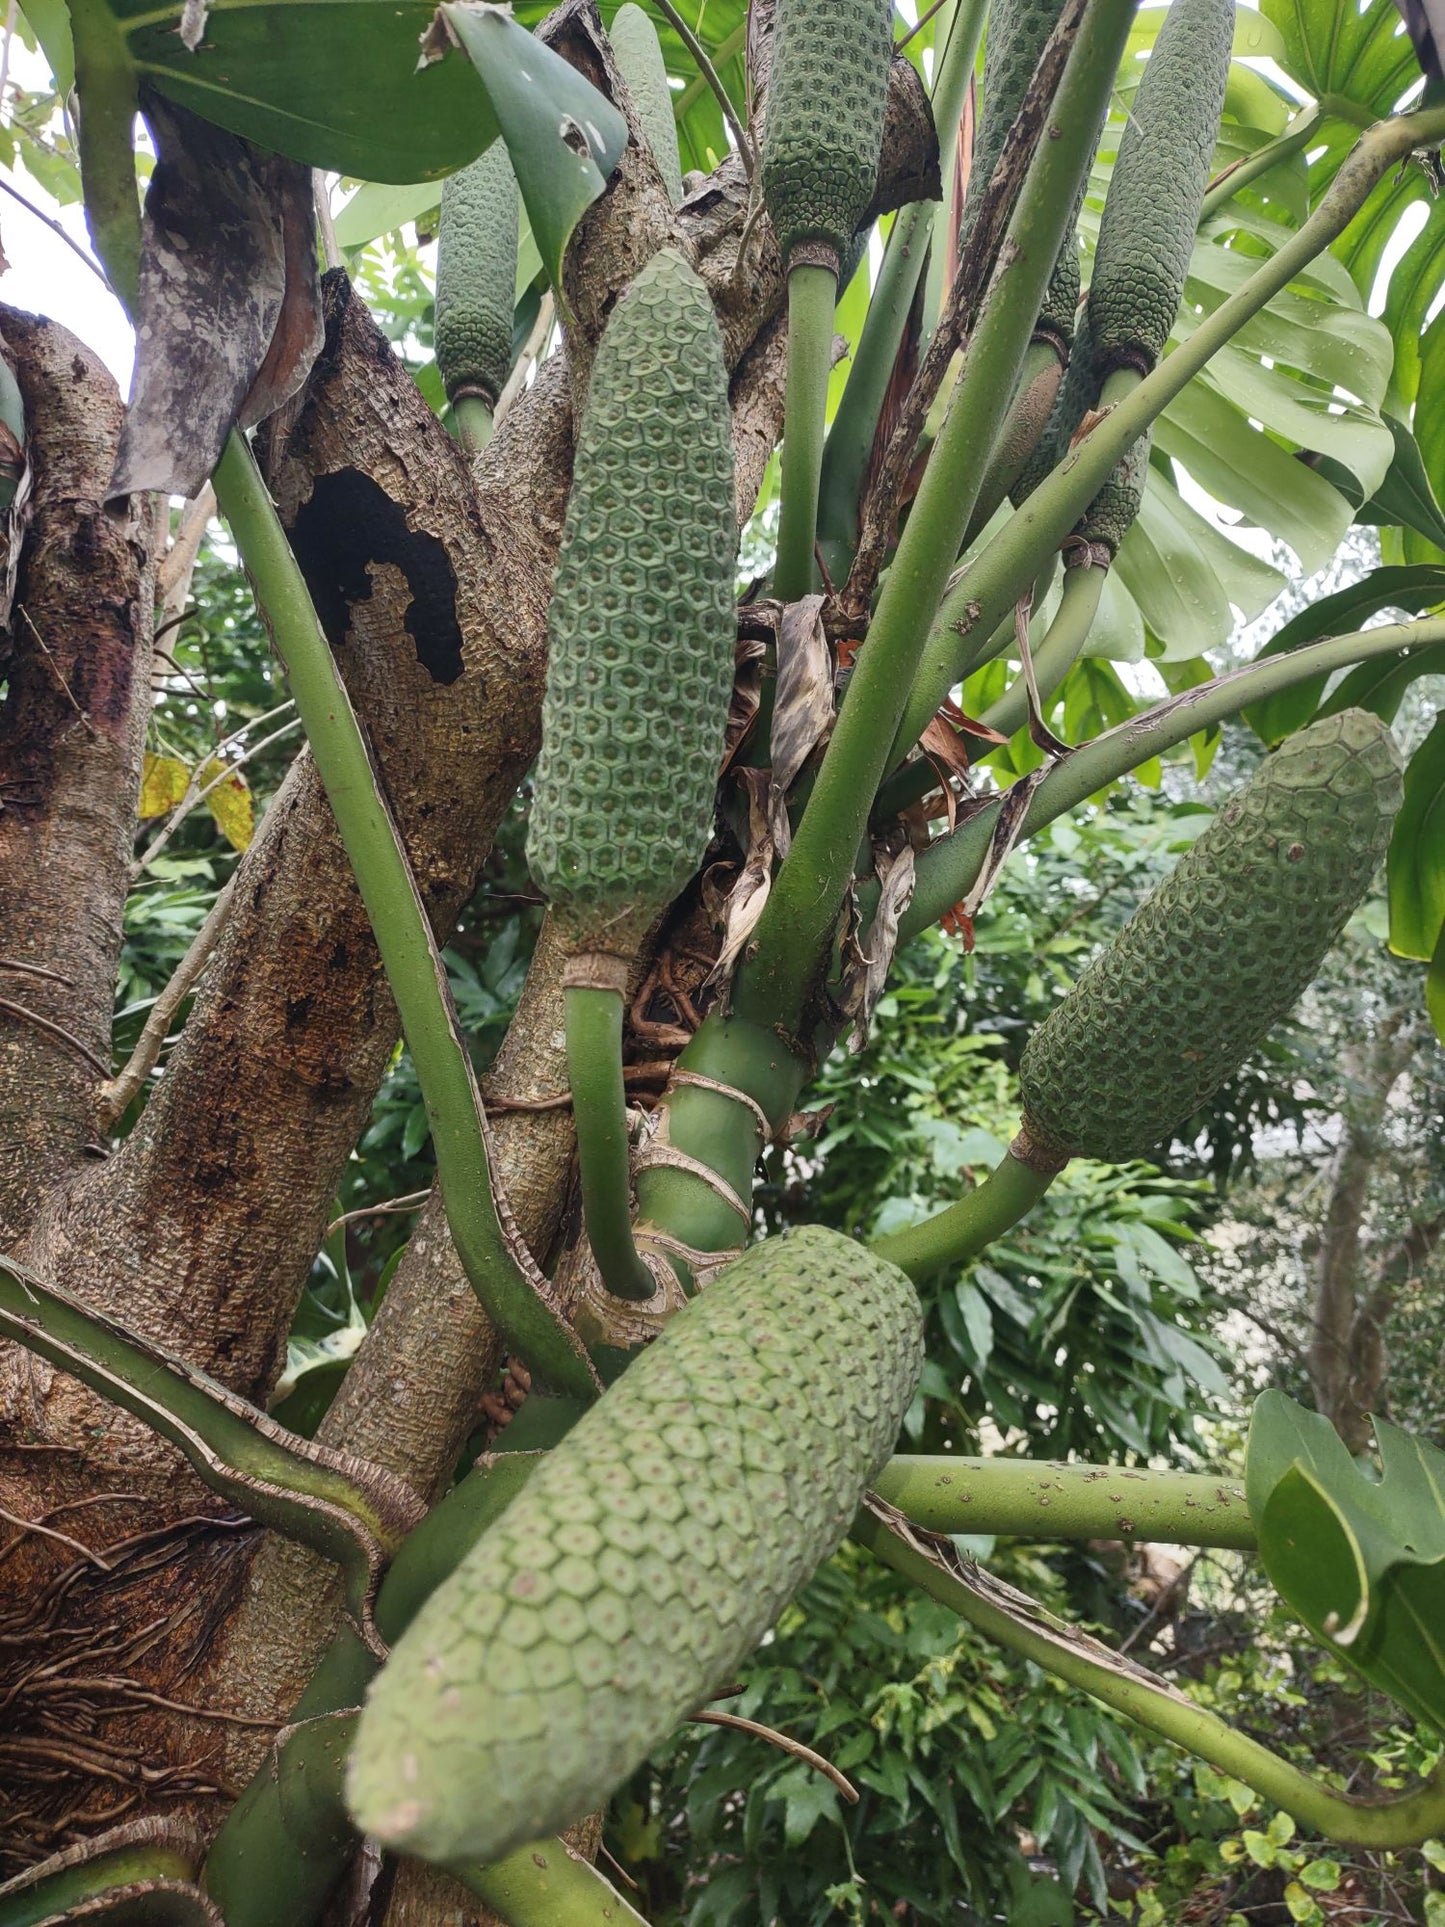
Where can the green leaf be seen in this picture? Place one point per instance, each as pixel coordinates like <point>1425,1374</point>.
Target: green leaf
<point>1435,987</point>
<point>51,24</point>
<point>1416,866</point>
<point>339,86</point>
<point>1412,589</point>
<point>1406,498</point>
<point>1361,1560</point>
<point>563,136</point>
<point>336,86</point>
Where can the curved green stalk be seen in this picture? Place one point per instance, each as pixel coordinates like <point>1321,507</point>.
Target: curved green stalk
<point>1057,653</point>
<point>472,419</point>
<point>534,1329</point>
<point>106,83</point>
<point>710,78</point>
<point>546,1886</point>
<point>850,439</point>
<point>356,1518</point>
<point>812,298</point>
<point>953,1236</point>
<point>599,1104</point>
<point>948,868</point>
<point>1293,140</point>
<point>1401,1822</point>
<point>37,1895</point>
<point>1036,1499</point>
<point>994,582</point>
<point>802,908</point>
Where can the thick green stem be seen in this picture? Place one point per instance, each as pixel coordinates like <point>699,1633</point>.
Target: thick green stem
<point>802,909</point>
<point>546,1886</point>
<point>954,1236</point>
<point>472,419</point>
<point>1296,136</point>
<point>1057,653</point>
<point>851,437</point>
<point>599,1105</point>
<point>1034,1635</point>
<point>812,297</point>
<point>106,84</point>
<point>719,1131</point>
<point>1038,1500</point>
<point>948,868</point>
<point>994,582</point>
<point>533,1327</point>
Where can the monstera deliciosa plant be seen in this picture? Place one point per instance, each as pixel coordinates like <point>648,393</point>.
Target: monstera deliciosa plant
<point>1092,264</point>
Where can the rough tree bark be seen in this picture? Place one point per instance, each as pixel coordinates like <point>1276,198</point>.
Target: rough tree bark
<point>153,1638</point>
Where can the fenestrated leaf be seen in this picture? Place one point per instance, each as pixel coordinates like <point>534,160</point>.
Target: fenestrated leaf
<point>1361,1560</point>
<point>230,310</point>
<point>563,136</point>
<point>1413,588</point>
<point>1417,853</point>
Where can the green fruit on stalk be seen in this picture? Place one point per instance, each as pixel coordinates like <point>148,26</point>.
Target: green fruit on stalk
<point>476,277</point>
<point>827,95</point>
<point>1221,950</point>
<point>1114,510</point>
<point>642,627</point>
<point>645,1559</point>
<point>1146,234</point>
<point>639,55</point>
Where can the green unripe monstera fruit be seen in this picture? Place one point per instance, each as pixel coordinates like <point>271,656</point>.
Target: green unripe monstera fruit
<point>476,276</point>
<point>1221,950</point>
<point>1146,233</point>
<point>645,1558</point>
<point>642,627</point>
<point>827,96</point>
<point>639,55</point>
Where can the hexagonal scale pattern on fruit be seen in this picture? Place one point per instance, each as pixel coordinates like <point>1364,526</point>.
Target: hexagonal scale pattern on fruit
<point>827,95</point>
<point>646,1558</point>
<point>641,628</point>
<point>1222,949</point>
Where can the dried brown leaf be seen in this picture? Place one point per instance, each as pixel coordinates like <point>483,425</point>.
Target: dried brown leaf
<point>865,978</point>
<point>750,892</point>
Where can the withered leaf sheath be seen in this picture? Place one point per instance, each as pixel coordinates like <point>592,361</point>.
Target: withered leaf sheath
<point>1221,950</point>
<point>646,1557</point>
<point>826,100</point>
<point>641,628</point>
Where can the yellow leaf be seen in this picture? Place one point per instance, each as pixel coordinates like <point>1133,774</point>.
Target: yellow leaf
<point>163,783</point>
<point>231,804</point>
